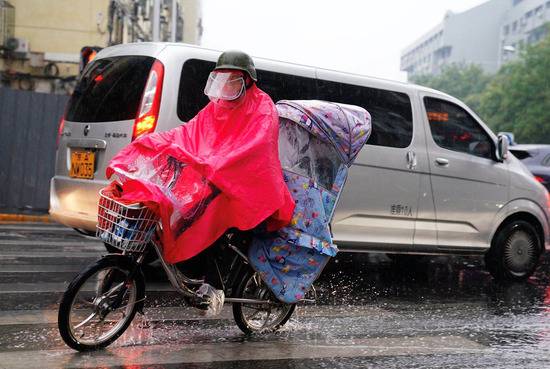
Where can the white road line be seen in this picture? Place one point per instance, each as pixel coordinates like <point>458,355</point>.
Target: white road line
<point>243,351</point>
<point>39,268</point>
<point>60,287</point>
<point>176,313</point>
<point>92,255</point>
<point>50,243</point>
<point>31,227</point>
<point>165,314</point>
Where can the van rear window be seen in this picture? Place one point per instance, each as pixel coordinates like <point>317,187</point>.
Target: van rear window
<point>109,89</point>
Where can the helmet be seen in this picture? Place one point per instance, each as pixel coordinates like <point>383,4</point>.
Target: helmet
<point>234,59</point>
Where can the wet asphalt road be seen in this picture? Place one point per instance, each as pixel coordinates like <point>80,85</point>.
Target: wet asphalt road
<point>437,312</point>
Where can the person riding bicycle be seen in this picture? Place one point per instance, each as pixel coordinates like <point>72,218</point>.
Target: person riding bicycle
<point>220,170</point>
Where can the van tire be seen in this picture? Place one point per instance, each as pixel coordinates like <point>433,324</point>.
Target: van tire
<point>515,251</point>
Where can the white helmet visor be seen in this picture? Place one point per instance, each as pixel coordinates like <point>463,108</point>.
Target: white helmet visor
<point>224,85</point>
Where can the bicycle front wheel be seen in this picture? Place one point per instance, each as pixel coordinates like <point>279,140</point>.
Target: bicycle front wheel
<point>100,303</point>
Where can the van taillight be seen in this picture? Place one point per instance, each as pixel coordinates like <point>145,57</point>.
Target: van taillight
<point>146,120</point>
<point>60,131</point>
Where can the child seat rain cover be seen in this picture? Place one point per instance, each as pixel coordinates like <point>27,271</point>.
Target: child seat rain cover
<point>221,170</point>
<point>318,141</point>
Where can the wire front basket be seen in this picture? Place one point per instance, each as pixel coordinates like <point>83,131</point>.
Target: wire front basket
<point>126,227</point>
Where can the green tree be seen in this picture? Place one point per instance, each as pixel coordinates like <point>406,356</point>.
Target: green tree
<point>465,82</point>
<point>518,97</point>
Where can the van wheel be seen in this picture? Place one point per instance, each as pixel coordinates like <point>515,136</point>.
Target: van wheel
<point>514,252</point>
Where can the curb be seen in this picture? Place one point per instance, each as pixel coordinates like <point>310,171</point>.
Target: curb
<point>25,218</point>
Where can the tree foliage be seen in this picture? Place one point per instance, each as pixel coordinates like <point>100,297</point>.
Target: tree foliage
<point>462,81</point>
<point>518,97</point>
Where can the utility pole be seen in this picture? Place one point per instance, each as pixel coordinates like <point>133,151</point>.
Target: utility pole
<point>174,20</point>
<point>156,21</point>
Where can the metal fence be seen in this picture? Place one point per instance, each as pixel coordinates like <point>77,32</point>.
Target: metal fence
<point>29,124</point>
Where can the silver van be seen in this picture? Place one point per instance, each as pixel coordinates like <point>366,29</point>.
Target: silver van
<point>432,179</point>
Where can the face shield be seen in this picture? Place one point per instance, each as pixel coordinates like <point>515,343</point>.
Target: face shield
<point>225,85</point>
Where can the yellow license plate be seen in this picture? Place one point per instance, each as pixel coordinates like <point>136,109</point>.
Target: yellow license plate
<point>82,164</point>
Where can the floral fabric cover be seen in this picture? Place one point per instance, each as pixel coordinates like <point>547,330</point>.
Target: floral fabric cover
<point>291,259</point>
<point>318,141</point>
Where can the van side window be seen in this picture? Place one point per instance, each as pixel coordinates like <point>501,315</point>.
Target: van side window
<point>278,86</point>
<point>281,86</point>
<point>391,111</point>
<point>454,129</point>
<point>191,98</point>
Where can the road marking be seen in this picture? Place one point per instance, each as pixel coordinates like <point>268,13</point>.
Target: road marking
<point>164,314</point>
<point>60,287</point>
<point>38,229</point>
<point>32,227</point>
<point>179,313</point>
<point>49,243</point>
<point>41,268</point>
<point>243,351</point>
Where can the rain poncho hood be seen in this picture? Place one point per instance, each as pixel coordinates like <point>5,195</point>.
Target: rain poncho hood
<point>220,170</point>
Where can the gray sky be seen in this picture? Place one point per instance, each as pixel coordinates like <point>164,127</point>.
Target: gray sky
<point>357,36</point>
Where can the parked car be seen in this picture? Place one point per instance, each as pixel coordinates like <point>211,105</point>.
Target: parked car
<point>537,159</point>
<point>432,179</point>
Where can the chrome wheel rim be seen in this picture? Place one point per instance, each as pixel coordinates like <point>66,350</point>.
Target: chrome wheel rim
<point>262,317</point>
<point>520,251</point>
<point>91,320</point>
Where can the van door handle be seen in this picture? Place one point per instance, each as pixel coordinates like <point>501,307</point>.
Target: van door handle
<point>442,162</point>
<point>411,160</point>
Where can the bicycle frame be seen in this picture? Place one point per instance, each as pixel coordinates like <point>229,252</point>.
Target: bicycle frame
<point>182,283</point>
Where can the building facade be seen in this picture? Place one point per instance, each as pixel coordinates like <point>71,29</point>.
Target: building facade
<point>487,35</point>
<point>526,23</point>
<point>40,40</point>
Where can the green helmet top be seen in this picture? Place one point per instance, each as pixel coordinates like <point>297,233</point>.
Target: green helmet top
<point>235,59</point>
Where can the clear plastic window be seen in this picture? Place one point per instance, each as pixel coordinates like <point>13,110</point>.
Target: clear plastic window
<point>305,154</point>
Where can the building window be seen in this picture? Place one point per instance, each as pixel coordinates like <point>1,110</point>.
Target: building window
<point>515,26</point>
<point>506,29</point>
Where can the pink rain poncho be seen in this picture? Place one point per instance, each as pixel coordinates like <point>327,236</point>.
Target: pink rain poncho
<point>219,171</point>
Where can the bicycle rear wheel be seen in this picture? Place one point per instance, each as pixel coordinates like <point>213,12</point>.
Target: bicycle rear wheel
<point>100,303</point>
<point>259,318</point>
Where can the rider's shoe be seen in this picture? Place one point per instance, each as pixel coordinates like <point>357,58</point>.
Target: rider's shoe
<point>213,300</point>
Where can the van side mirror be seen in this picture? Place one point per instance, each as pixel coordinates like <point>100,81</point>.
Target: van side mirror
<point>502,147</point>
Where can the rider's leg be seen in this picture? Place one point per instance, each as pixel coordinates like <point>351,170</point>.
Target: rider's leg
<point>212,289</point>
